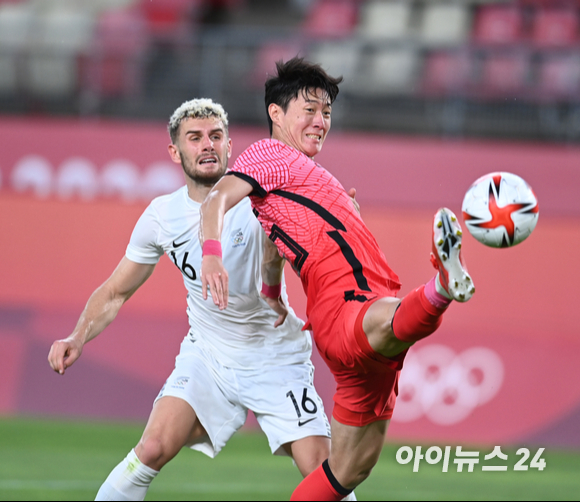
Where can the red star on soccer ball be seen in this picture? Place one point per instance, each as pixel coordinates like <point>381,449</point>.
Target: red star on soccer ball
<point>501,216</point>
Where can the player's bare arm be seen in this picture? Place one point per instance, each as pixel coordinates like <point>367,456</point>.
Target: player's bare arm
<point>272,271</point>
<point>227,193</point>
<point>102,307</point>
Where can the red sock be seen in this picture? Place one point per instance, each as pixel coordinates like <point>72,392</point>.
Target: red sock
<point>320,485</point>
<point>416,317</point>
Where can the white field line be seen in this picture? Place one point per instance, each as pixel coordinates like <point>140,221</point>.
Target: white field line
<point>73,485</point>
<point>33,484</point>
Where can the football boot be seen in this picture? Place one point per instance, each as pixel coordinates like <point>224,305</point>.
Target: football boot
<point>446,256</point>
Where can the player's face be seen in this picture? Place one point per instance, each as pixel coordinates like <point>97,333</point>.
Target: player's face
<point>307,121</point>
<point>203,149</point>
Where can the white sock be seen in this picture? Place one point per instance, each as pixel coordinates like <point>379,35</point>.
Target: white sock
<point>130,480</point>
<point>351,498</point>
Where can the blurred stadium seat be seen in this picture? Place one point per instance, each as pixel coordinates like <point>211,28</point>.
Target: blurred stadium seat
<point>266,58</point>
<point>391,71</point>
<point>331,19</point>
<point>115,66</point>
<point>559,77</point>
<point>445,24</point>
<point>15,25</point>
<point>338,59</point>
<point>385,20</point>
<point>555,27</point>
<point>170,20</point>
<point>85,5</point>
<point>446,73</point>
<point>499,24</point>
<point>61,34</point>
<point>505,74</point>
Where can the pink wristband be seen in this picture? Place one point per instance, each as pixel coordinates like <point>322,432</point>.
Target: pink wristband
<point>272,291</point>
<point>212,247</point>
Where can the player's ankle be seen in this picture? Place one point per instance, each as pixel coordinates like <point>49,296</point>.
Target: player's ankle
<point>436,294</point>
<point>440,289</point>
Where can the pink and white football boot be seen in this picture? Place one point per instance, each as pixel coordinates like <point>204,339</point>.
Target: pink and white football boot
<point>446,256</point>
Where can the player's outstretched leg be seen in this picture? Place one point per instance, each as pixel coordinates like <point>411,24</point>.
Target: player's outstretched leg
<point>392,325</point>
<point>420,312</point>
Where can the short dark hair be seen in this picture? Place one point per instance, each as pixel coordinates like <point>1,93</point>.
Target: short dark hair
<point>296,76</point>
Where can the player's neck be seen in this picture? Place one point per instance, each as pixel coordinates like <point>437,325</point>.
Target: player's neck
<point>197,192</point>
<point>281,139</point>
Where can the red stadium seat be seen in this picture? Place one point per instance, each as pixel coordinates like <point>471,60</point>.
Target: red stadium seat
<point>499,24</point>
<point>446,73</point>
<point>331,19</point>
<point>115,68</point>
<point>505,75</point>
<point>266,58</point>
<point>121,32</point>
<point>559,77</point>
<point>555,27</point>
<point>169,19</point>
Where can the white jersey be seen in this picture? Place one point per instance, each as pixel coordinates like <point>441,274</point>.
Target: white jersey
<point>243,335</point>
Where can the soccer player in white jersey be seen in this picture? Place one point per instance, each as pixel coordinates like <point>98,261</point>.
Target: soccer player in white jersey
<point>252,356</point>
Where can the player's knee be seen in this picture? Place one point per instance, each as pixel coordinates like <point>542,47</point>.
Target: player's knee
<point>308,466</point>
<point>363,474</point>
<point>357,477</point>
<point>309,453</point>
<point>379,318</point>
<point>154,452</point>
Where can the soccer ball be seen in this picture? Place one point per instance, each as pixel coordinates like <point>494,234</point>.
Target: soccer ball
<point>500,210</point>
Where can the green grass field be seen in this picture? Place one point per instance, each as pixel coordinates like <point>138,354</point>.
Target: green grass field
<point>56,460</point>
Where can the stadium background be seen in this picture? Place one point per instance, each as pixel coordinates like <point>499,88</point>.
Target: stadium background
<point>436,94</point>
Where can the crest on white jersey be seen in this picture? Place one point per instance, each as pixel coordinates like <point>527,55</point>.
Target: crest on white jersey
<point>238,239</point>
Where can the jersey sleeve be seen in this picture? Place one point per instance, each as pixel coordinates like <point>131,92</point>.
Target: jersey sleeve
<point>143,247</point>
<point>263,166</point>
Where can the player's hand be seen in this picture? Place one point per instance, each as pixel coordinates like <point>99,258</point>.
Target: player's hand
<point>215,276</point>
<point>63,354</point>
<point>352,194</point>
<point>277,305</point>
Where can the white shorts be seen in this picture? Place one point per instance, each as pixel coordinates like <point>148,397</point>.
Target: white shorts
<point>283,399</point>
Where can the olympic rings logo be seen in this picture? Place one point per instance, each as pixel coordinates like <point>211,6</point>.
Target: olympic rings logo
<point>447,387</point>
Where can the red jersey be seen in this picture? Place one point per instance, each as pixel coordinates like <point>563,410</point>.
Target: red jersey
<point>307,213</point>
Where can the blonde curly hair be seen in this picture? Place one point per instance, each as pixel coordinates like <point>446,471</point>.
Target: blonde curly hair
<point>196,108</point>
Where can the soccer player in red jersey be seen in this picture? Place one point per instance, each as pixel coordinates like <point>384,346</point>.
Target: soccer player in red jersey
<point>362,330</point>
